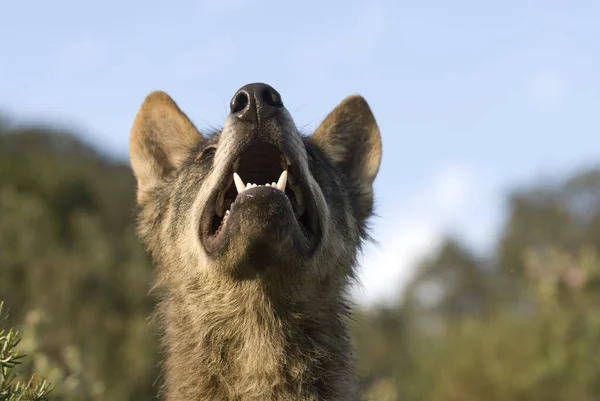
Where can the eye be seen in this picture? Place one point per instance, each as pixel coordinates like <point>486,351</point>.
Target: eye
<point>206,153</point>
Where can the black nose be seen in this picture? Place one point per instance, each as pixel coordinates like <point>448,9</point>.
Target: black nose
<point>256,102</point>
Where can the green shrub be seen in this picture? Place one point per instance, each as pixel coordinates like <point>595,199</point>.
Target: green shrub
<point>11,387</point>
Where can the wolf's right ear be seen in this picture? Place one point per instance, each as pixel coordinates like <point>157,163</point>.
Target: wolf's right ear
<point>162,138</point>
<point>350,137</point>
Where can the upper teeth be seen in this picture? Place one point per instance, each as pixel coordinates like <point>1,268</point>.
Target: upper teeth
<point>223,203</point>
<point>239,184</point>
<point>241,187</point>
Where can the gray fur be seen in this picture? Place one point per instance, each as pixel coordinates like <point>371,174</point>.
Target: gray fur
<point>279,330</point>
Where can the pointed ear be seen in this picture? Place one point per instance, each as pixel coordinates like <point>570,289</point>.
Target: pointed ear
<point>350,137</point>
<point>162,138</point>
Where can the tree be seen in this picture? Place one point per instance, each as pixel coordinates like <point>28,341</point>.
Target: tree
<point>69,254</point>
<point>451,283</point>
<point>565,214</point>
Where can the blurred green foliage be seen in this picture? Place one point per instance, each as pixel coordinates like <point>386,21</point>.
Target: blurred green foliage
<point>521,324</point>
<point>72,270</point>
<point>12,389</point>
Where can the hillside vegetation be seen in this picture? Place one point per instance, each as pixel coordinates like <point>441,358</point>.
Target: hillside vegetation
<point>520,324</point>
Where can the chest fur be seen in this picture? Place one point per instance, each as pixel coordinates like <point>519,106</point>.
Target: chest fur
<point>252,353</point>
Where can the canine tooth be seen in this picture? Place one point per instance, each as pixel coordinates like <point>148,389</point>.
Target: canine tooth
<point>239,184</point>
<point>282,181</point>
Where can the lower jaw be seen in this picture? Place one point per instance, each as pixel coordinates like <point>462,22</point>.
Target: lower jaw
<point>247,217</point>
<point>271,240</point>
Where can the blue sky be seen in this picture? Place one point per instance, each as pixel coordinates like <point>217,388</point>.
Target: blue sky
<point>472,97</point>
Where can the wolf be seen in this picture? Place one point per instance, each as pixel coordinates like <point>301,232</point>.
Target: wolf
<point>255,231</point>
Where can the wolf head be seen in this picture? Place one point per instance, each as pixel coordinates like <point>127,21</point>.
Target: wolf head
<point>257,200</point>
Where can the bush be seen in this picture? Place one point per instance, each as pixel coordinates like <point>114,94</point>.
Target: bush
<point>547,348</point>
<point>11,388</point>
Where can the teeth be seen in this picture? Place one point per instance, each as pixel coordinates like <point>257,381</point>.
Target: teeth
<point>223,204</point>
<point>239,184</point>
<point>241,187</point>
<point>282,181</point>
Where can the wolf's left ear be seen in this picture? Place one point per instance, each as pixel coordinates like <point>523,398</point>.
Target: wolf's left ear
<point>350,138</point>
<point>162,138</point>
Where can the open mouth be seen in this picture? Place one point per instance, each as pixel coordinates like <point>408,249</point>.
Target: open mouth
<point>262,164</point>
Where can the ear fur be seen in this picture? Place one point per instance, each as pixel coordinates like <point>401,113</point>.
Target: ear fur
<point>350,138</point>
<point>161,139</point>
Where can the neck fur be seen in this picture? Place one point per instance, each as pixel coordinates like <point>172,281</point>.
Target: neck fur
<point>234,341</point>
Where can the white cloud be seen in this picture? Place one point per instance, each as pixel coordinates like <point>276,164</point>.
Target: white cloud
<point>547,87</point>
<point>451,187</point>
<point>410,231</point>
<point>388,267</point>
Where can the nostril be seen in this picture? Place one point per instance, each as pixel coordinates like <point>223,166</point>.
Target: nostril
<point>256,102</point>
<point>271,97</point>
<point>239,102</point>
